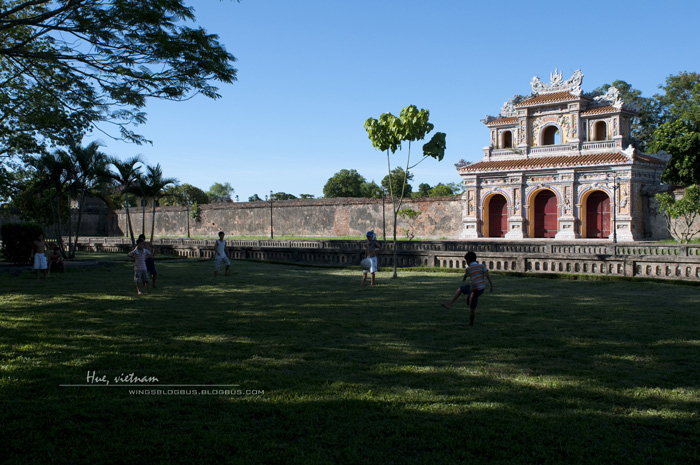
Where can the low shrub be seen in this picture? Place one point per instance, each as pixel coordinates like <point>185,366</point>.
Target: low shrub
<point>17,241</point>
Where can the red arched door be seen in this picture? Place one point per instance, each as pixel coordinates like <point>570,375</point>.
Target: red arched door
<point>498,216</point>
<point>545,214</point>
<point>598,215</point>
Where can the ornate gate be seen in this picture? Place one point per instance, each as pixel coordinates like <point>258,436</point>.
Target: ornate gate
<point>498,216</point>
<point>545,214</point>
<point>598,215</point>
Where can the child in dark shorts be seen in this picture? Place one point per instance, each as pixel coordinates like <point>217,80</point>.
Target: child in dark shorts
<point>478,273</point>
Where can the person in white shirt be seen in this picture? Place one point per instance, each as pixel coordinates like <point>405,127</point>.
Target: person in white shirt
<point>139,254</point>
<point>220,255</point>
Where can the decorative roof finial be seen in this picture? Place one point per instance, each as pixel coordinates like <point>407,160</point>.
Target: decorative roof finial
<point>572,85</point>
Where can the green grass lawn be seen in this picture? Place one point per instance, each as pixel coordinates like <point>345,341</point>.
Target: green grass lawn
<point>322,371</point>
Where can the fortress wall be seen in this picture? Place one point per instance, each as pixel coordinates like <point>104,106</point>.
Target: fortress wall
<point>441,217</point>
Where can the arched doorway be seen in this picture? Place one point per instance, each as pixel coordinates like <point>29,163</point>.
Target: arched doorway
<point>551,136</point>
<point>601,130</point>
<point>545,214</point>
<point>507,140</point>
<point>498,216</point>
<point>598,215</point>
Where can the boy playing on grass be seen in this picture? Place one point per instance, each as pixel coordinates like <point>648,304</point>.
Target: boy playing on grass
<point>478,273</point>
<point>220,255</point>
<point>372,248</point>
<point>139,255</point>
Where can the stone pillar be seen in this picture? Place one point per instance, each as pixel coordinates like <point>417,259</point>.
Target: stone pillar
<point>523,129</point>
<point>575,112</point>
<point>516,221</point>
<point>470,209</point>
<point>567,220</point>
<point>624,208</point>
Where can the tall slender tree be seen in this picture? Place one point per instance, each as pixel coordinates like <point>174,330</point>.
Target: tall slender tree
<point>139,189</point>
<point>126,174</point>
<point>153,185</point>
<point>90,179</point>
<point>388,132</point>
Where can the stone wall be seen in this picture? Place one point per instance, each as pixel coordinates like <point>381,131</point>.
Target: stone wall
<point>440,218</point>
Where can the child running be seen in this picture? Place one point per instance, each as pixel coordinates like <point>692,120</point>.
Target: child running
<point>139,254</point>
<point>478,273</point>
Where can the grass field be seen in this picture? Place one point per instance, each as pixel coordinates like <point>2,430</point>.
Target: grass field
<point>319,370</point>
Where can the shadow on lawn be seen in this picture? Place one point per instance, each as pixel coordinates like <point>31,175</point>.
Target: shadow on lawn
<point>381,375</point>
<point>110,427</point>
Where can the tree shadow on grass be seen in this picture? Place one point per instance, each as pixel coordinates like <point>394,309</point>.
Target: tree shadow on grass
<point>564,372</point>
<point>109,427</point>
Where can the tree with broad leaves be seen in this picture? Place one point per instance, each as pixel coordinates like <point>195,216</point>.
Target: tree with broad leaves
<point>410,216</point>
<point>188,196</point>
<point>681,98</point>
<point>387,134</point>
<point>398,181</point>
<point>282,196</point>
<point>72,66</point>
<point>679,135</point>
<point>446,190</point>
<point>681,215</point>
<point>344,183</point>
<point>220,192</point>
<point>423,190</point>
<point>682,141</point>
<point>370,190</point>
<point>183,194</point>
<point>648,112</point>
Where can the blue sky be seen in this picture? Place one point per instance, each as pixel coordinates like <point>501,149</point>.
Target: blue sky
<point>310,72</point>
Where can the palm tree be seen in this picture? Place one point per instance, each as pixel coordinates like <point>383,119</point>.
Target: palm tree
<point>152,185</point>
<point>90,177</point>
<point>53,176</point>
<point>126,174</point>
<point>138,189</point>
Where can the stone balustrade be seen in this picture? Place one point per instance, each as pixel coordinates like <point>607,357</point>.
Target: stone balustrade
<point>648,260</point>
<point>549,149</point>
<point>599,145</point>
